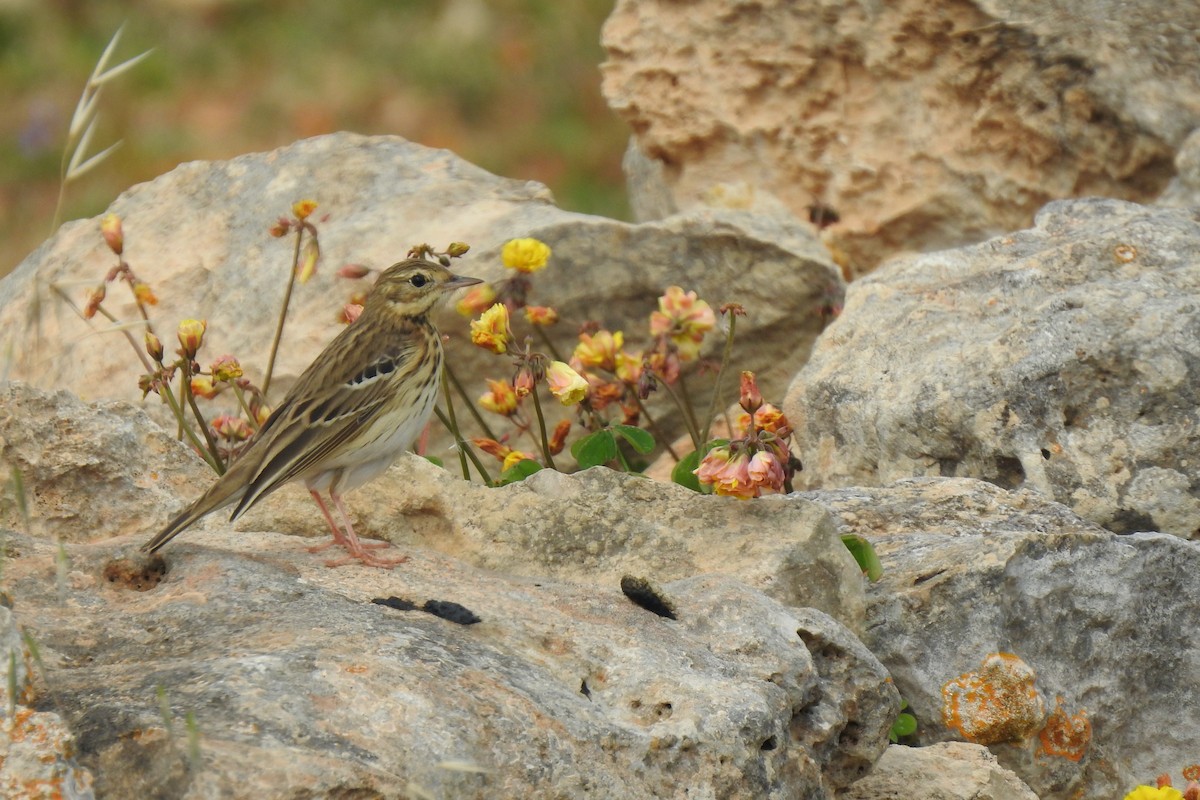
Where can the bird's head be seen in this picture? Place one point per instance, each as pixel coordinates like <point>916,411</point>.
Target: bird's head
<point>413,287</point>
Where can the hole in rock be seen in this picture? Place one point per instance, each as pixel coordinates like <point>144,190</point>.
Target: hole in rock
<point>140,573</point>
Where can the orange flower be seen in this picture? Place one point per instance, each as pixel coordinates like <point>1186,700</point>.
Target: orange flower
<point>490,331</point>
<point>565,383</point>
<point>525,255</point>
<point>541,315</point>
<point>684,319</point>
<point>558,440</point>
<point>303,208</point>
<point>727,473</point>
<point>765,471</point>
<point>144,294</point>
<point>524,382</point>
<point>114,236</point>
<point>599,349</point>
<point>766,418</point>
<point>476,300</point>
<point>492,447</point>
<point>350,312</point>
<point>191,335</point>
<point>203,386</point>
<point>233,428</point>
<point>502,399</point>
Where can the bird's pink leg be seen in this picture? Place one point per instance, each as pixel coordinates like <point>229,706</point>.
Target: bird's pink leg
<point>338,538</point>
<point>358,551</point>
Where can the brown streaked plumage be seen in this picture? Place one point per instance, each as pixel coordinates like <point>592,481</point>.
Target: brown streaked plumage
<point>362,402</point>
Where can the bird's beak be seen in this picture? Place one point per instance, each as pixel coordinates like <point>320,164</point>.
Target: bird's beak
<point>460,282</point>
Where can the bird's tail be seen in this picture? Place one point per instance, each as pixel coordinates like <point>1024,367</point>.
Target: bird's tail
<point>216,497</point>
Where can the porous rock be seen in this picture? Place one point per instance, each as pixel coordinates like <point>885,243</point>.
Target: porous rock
<point>198,236</point>
<point>252,670</point>
<point>995,591</point>
<point>1062,358</point>
<point>922,125</point>
<point>944,771</point>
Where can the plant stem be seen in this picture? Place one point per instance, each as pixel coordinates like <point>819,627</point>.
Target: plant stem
<point>464,448</point>
<point>654,426</point>
<point>462,392</point>
<point>716,395</point>
<point>185,388</point>
<point>452,425</point>
<point>241,398</point>
<point>164,391</point>
<point>287,299</point>
<point>537,407</point>
<point>141,354</point>
<point>687,418</point>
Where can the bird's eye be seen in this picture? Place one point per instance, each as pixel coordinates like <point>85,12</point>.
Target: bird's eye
<point>418,280</point>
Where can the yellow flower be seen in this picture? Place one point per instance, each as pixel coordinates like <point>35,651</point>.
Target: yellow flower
<point>565,383</point>
<point>629,367</point>
<point>513,458</point>
<point>490,331</point>
<point>502,399</point>
<point>144,294</point>
<point>114,236</point>
<point>476,300</point>
<point>153,346</point>
<point>683,318</point>
<point>303,208</point>
<point>541,315</point>
<point>1151,793</point>
<point>599,349</point>
<point>191,335</point>
<point>226,368</point>
<point>525,255</point>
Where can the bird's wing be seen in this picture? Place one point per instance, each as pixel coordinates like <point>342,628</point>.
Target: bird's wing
<point>313,424</point>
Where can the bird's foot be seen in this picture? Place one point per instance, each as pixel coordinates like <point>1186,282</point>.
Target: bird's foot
<point>317,548</point>
<point>362,555</point>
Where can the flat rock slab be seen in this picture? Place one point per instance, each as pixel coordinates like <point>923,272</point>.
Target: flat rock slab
<point>250,670</point>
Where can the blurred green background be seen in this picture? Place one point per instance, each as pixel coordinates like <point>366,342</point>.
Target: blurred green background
<point>511,85</point>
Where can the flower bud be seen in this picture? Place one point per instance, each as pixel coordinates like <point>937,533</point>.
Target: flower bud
<point>353,271</point>
<point>114,236</point>
<point>751,398</point>
<point>154,347</point>
<point>226,368</point>
<point>308,265</point>
<point>191,335</point>
<point>203,386</point>
<point>457,249</point>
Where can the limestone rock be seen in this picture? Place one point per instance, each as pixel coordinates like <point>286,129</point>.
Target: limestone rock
<point>1061,358</point>
<point>945,771</point>
<point>922,125</point>
<point>295,682</point>
<point>1097,624</point>
<point>88,471</point>
<point>198,236</point>
<point>92,471</point>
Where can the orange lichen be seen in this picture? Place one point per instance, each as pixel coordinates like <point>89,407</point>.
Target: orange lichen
<point>1066,735</point>
<point>999,703</point>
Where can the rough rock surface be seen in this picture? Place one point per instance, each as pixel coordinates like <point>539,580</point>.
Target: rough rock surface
<point>198,236</point>
<point>923,125</point>
<point>87,471</point>
<point>295,682</point>
<point>1020,601</point>
<point>945,771</point>
<point>92,471</point>
<point>1063,358</point>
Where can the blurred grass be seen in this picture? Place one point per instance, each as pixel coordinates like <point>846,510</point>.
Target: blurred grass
<point>511,85</point>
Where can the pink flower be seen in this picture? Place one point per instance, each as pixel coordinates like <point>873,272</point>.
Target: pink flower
<point>683,318</point>
<point>727,473</point>
<point>765,471</point>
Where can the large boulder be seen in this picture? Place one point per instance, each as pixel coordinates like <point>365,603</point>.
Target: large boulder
<point>1008,621</point>
<point>1063,358</point>
<point>199,237</point>
<point>921,124</point>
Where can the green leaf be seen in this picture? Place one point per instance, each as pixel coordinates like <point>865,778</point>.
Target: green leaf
<point>642,441</point>
<point>905,725</point>
<point>519,471</point>
<point>682,472</point>
<point>435,460</point>
<point>595,449</point>
<point>864,554</point>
